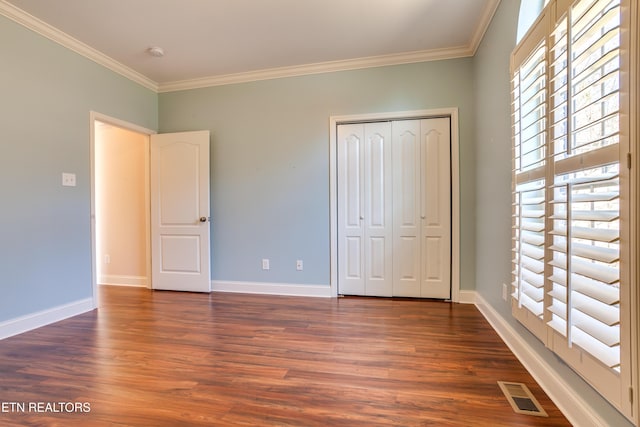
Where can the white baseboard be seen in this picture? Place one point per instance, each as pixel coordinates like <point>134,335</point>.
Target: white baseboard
<point>467,297</point>
<point>21,324</point>
<point>122,280</point>
<point>324,291</point>
<point>577,411</point>
<point>271,288</point>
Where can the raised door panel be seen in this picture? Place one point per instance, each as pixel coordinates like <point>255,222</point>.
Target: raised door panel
<point>178,169</point>
<point>436,208</point>
<point>406,208</point>
<point>353,258</point>
<point>351,280</point>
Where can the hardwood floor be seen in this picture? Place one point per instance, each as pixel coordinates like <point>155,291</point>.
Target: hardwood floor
<point>179,359</point>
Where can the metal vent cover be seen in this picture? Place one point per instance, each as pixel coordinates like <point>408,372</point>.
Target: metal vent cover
<point>521,399</point>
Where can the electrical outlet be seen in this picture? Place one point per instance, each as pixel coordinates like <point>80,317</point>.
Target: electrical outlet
<point>299,265</point>
<point>68,179</point>
<point>504,291</point>
<point>265,264</point>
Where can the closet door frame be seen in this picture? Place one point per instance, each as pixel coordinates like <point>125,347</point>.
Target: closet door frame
<point>452,113</point>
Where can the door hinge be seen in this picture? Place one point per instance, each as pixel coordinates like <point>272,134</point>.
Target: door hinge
<point>631,395</point>
<point>628,160</point>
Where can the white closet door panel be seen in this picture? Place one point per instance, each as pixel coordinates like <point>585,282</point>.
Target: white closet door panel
<point>353,199</point>
<point>376,255</point>
<point>406,208</point>
<point>434,267</point>
<point>353,260</point>
<point>406,266</point>
<point>376,170</point>
<point>350,209</point>
<point>378,231</point>
<point>436,208</point>
<point>378,282</point>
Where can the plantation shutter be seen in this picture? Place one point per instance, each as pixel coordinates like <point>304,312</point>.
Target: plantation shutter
<point>569,183</point>
<point>529,104</point>
<point>585,96</point>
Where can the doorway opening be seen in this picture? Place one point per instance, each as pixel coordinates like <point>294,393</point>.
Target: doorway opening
<point>120,225</point>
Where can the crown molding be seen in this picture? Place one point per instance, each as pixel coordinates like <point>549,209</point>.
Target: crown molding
<point>38,26</point>
<point>317,68</point>
<point>485,21</point>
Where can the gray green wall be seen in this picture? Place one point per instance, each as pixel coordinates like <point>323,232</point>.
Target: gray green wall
<point>270,160</point>
<point>46,93</point>
<point>493,191</point>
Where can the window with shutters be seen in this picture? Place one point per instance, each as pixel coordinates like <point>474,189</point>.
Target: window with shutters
<point>571,190</point>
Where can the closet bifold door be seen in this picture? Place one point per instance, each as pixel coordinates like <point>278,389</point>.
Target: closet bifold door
<point>378,217</point>
<point>394,208</point>
<point>364,209</point>
<point>350,209</point>
<point>422,208</point>
<point>407,217</point>
<point>435,155</point>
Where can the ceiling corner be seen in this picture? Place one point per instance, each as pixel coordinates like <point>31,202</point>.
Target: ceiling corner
<point>483,25</point>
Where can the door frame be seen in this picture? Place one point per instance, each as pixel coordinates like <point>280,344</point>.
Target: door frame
<point>334,121</point>
<point>93,117</point>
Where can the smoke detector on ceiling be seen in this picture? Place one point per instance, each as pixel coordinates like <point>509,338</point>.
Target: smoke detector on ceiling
<point>156,51</point>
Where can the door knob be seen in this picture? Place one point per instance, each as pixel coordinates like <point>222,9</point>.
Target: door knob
<point>203,219</point>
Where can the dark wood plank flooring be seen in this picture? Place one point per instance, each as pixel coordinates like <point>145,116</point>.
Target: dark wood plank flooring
<point>179,359</point>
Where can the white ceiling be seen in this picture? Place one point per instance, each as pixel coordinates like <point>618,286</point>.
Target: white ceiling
<point>206,40</point>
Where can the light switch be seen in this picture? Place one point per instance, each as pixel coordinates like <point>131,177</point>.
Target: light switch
<point>68,179</point>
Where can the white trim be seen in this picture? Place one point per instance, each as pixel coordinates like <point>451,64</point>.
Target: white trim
<point>455,186</point>
<point>32,321</point>
<point>290,289</point>
<point>38,26</point>
<point>576,409</point>
<point>122,280</point>
<point>318,68</point>
<point>485,21</point>
<point>93,117</point>
<point>455,206</point>
<point>467,297</point>
<point>634,201</point>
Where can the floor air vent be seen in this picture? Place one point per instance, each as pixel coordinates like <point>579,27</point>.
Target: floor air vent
<point>521,399</point>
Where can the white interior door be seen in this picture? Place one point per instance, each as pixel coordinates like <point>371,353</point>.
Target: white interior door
<point>180,236</point>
